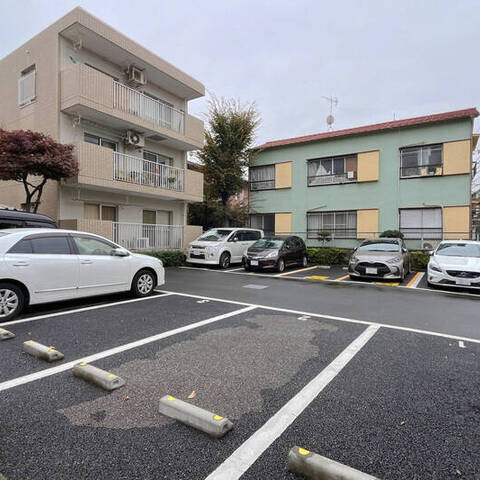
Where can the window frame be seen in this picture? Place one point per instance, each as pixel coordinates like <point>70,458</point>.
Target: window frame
<point>263,215</point>
<point>90,237</point>
<point>100,211</point>
<point>24,74</point>
<point>157,155</point>
<point>250,182</point>
<point>421,147</point>
<point>313,234</point>
<point>345,180</point>
<point>436,235</point>
<point>100,141</point>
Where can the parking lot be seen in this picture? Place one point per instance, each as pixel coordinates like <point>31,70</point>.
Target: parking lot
<point>382,379</point>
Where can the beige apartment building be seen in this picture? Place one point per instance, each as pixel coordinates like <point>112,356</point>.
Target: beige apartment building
<point>126,111</point>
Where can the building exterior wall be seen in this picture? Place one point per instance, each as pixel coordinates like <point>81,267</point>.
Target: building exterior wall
<point>388,194</point>
<point>64,79</point>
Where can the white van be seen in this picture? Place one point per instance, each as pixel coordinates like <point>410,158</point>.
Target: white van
<point>222,246</point>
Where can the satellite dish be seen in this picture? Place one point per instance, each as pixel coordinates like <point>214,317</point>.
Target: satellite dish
<point>330,120</point>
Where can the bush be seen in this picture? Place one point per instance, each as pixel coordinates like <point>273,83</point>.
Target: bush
<point>329,255</point>
<point>391,234</point>
<point>419,260</point>
<point>169,258</point>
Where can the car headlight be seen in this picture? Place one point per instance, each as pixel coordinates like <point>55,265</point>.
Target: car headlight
<point>353,259</point>
<point>394,260</point>
<point>435,268</point>
<point>271,255</point>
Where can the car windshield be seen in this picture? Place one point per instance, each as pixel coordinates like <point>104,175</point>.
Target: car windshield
<point>268,243</point>
<point>384,246</point>
<point>459,250</point>
<point>215,235</point>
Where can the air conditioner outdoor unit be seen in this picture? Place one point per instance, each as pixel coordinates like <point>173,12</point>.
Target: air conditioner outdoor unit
<point>351,175</point>
<point>134,139</point>
<point>142,243</point>
<point>136,76</point>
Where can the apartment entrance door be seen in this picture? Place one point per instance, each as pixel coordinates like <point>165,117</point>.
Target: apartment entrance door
<point>149,227</point>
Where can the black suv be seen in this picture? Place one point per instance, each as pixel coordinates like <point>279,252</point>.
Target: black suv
<point>19,219</point>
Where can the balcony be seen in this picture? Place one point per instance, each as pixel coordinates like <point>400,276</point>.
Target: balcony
<point>94,96</point>
<point>104,169</point>
<point>142,236</point>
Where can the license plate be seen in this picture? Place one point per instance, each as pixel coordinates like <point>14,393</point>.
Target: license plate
<point>196,252</point>
<point>254,262</point>
<point>463,281</point>
<point>371,271</point>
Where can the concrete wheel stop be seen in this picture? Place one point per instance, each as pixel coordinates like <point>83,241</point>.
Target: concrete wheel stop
<point>106,380</point>
<point>196,417</point>
<point>5,334</point>
<point>50,354</point>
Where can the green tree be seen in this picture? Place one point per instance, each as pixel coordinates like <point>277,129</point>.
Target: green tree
<point>227,151</point>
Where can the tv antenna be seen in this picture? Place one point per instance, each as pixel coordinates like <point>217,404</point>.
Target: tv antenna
<point>330,119</point>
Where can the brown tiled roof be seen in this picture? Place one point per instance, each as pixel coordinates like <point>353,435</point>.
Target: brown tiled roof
<point>377,127</point>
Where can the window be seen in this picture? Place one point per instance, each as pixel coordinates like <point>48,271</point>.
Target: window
<point>157,158</point>
<point>103,142</point>
<point>26,86</point>
<point>421,223</point>
<point>51,245</point>
<point>23,246</point>
<point>339,224</point>
<point>421,161</point>
<point>265,222</point>
<point>334,170</point>
<point>93,246</point>
<point>262,178</point>
<point>95,211</point>
<point>250,235</point>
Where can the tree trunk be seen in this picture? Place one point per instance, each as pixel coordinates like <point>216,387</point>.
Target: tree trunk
<point>224,200</point>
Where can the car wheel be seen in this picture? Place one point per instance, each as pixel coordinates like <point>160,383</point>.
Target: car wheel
<point>12,301</point>
<point>144,283</point>
<point>304,261</point>
<point>224,260</point>
<point>281,265</point>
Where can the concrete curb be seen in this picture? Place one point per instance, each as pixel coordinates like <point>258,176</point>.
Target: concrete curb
<point>50,354</point>
<point>315,467</point>
<point>106,380</point>
<point>5,335</point>
<point>196,417</point>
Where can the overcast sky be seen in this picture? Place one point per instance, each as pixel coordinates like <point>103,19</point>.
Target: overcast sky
<point>379,58</point>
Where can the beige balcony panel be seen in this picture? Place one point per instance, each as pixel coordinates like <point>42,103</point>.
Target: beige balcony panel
<point>97,97</point>
<point>102,169</point>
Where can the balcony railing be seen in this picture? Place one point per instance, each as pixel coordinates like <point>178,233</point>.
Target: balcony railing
<point>422,171</point>
<point>331,179</point>
<point>136,103</point>
<point>142,236</point>
<point>127,168</point>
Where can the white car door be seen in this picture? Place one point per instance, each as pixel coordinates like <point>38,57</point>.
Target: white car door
<point>100,271</point>
<point>46,264</point>
<point>241,245</point>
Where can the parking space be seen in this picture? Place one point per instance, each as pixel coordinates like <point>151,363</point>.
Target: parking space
<point>390,391</point>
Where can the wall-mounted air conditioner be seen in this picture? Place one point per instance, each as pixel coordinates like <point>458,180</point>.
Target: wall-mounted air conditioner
<point>136,76</point>
<point>351,175</point>
<point>134,139</point>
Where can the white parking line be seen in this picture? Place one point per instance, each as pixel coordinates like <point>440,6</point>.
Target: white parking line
<point>244,456</point>
<point>113,351</point>
<point>330,317</point>
<point>83,309</point>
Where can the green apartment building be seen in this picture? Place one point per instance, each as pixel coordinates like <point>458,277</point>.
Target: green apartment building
<point>412,175</point>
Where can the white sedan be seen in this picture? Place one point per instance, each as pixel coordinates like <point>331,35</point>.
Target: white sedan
<point>44,265</point>
<point>455,263</point>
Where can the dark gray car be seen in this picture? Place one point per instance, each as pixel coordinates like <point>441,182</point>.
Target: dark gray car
<point>380,258</point>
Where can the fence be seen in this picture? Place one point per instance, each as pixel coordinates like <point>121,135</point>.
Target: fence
<point>142,236</point>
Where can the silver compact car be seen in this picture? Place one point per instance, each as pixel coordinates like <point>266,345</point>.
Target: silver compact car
<point>380,258</point>
<point>455,263</point>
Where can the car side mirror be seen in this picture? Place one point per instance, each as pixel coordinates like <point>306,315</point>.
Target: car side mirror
<point>431,252</point>
<point>235,239</point>
<point>121,252</point>
<point>404,250</point>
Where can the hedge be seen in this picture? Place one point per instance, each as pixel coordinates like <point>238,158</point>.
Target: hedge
<point>419,260</point>
<point>329,255</point>
<point>169,258</point>
<point>341,256</point>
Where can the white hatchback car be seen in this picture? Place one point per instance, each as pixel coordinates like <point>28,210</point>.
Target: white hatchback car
<point>455,263</point>
<point>222,246</point>
<point>45,265</point>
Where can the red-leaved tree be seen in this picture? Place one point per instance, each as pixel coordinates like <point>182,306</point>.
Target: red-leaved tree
<point>32,158</point>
